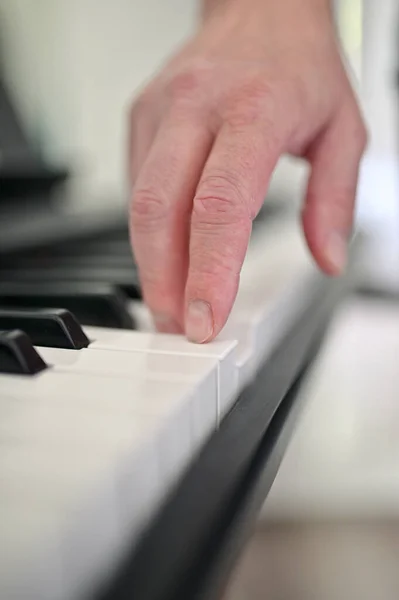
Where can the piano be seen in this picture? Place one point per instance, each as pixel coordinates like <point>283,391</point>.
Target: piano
<point>133,464</point>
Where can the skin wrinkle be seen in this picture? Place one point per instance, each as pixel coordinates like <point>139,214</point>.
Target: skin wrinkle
<point>218,201</point>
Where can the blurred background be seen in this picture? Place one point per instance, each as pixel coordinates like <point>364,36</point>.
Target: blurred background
<point>73,67</point>
<point>330,527</point>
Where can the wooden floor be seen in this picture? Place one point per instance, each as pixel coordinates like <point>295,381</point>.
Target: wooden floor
<point>319,562</point>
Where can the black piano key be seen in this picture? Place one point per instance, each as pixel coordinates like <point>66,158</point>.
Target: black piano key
<point>98,247</point>
<point>124,278</point>
<point>92,304</point>
<point>55,328</point>
<point>71,261</point>
<point>105,246</point>
<point>118,248</point>
<point>44,228</point>
<point>108,244</point>
<point>17,354</point>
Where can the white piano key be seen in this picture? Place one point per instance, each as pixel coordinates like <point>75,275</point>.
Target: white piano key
<point>121,339</point>
<point>266,306</point>
<point>30,561</point>
<point>64,459</point>
<point>64,465</point>
<point>170,401</point>
<point>201,372</point>
<point>128,364</point>
<point>186,417</point>
<point>142,316</point>
<point>221,350</point>
<point>239,329</point>
<point>44,480</point>
<point>241,325</point>
<point>73,429</point>
<point>64,399</point>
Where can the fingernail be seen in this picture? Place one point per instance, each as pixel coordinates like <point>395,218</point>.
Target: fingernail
<point>199,321</point>
<point>336,251</point>
<point>165,324</point>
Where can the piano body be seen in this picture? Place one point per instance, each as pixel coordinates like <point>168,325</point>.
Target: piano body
<point>133,463</point>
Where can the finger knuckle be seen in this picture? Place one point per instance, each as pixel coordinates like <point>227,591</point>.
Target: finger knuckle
<point>185,83</point>
<point>148,210</point>
<point>259,88</point>
<point>255,99</point>
<point>220,200</point>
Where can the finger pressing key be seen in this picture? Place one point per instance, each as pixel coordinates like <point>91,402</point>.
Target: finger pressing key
<point>230,193</point>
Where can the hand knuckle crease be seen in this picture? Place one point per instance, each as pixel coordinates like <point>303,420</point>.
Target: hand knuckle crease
<point>251,104</point>
<point>148,209</point>
<point>217,208</point>
<point>183,84</point>
<point>220,194</point>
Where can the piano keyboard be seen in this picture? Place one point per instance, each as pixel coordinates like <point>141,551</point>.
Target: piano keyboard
<point>100,416</point>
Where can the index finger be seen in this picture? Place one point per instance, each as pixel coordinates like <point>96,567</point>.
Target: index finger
<point>160,217</point>
<point>229,195</point>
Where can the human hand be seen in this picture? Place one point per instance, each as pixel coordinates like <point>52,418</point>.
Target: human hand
<point>261,78</point>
